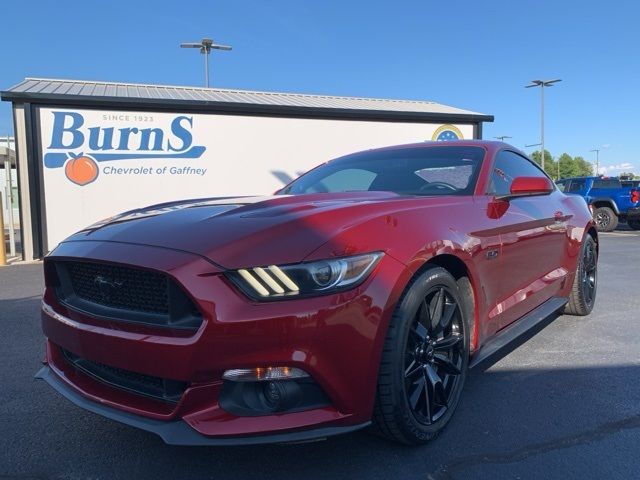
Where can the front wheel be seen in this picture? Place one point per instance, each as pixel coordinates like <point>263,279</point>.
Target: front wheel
<point>424,361</point>
<point>634,223</point>
<point>585,284</point>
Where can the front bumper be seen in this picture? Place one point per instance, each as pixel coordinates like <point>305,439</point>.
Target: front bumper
<point>177,432</point>
<point>337,339</point>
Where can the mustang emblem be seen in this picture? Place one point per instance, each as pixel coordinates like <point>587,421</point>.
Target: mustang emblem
<point>107,286</point>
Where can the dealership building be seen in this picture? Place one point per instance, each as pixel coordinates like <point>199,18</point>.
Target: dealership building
<point>89,150</point>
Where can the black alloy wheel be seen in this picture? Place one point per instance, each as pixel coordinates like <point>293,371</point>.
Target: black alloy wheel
<point>589,272</point>
<point>585,285</point>
<point>425,357</point>
<point>434,355</point>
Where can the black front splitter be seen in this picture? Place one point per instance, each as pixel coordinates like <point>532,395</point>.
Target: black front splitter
<point>178,432</point>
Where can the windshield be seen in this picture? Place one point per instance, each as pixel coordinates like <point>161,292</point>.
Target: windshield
<point>442,170</point>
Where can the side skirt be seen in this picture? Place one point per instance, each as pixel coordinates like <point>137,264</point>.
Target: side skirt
<point>516,333</point>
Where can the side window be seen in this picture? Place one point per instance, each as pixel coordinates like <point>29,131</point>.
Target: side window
<point>507,166</point>
<point>577,186</point>
<point>606,183</point>
<point>563,185</point>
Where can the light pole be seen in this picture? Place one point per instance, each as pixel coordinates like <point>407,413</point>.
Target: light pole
<point>542,84</point>
<point>597,150</point>
<point>502,137</point>
<point>205,46</point>
<point>534,145</point>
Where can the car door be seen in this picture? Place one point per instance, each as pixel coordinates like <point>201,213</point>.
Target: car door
<point>533,238</point>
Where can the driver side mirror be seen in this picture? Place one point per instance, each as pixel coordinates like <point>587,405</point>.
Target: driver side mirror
<point>528,186</point>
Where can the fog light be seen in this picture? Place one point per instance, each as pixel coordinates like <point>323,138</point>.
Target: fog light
<point>264,374</point>
<point>273,394</point>
<point>281,395</point>
<point>265,391</point>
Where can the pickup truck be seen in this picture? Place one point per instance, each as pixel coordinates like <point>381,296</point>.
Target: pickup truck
<point>610,200</point>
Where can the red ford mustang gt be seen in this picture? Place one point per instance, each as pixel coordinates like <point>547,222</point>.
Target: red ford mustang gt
<point>358,295</point>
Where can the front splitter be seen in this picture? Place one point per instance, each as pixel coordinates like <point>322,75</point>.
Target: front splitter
<point>177,432</point>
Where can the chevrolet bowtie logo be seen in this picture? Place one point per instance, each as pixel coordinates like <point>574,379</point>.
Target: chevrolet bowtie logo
<point>107,286</point>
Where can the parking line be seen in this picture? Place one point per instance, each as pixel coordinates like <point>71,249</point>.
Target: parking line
<point>621,234</point>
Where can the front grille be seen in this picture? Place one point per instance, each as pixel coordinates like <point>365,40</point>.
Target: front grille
<point>120,287</point>
<point>124,293</point>
<point>159,388</point>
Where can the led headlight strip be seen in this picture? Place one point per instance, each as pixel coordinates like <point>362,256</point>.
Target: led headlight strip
<point>284,278</point>
<point>305,279</point>
<point>268,280</point>
<point>255,284</point>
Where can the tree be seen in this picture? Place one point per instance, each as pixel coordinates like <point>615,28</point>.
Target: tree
<point>550,166</point>
<point>585,169</point>
<point>574,167</point>
<point>568,166</point>
<point>565,166</point>
<point>629,175</point>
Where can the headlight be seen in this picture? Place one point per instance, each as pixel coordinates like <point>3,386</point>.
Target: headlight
<point>304,279</point>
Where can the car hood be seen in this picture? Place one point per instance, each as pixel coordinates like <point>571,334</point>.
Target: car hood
<point>248,231</point>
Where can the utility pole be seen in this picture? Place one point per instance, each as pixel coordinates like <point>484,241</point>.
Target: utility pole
<point>597,150</point>
<point>542,84</point>
<point>205,46</point>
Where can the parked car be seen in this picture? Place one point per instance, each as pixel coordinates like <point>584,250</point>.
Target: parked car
<point>358,295</point>
<point>611,200</point>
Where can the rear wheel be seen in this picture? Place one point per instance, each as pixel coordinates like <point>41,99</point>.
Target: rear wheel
<point>634,223</point>
<point>605,219</point>
<point>585,284</point>
<point>425,358</point>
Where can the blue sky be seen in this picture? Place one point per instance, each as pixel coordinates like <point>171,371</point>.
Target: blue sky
<point>476,55</point>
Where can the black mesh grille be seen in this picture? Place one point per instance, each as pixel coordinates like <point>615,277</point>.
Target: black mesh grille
<point>147,385</point>
<point>120,287</point>
<point>120,292</point>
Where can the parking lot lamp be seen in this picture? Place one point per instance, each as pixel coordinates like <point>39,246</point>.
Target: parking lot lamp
<point>205,46</point>
<point>542,84</point>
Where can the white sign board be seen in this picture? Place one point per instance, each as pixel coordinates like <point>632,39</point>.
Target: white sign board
<point>98,163</point>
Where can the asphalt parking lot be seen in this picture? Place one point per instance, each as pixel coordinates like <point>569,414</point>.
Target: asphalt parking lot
<point>563,405</point>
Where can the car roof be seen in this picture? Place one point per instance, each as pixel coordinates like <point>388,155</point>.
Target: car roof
<point>462,143</point>
<point>490,146</point>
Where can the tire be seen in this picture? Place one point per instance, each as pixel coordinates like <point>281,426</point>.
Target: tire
<point>605,218</point>
<point>419,381</point>
<point>634,223</point>
<point>585,285</point>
